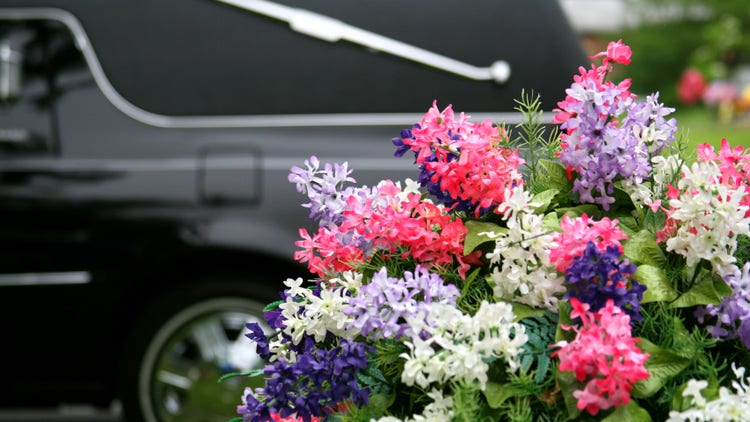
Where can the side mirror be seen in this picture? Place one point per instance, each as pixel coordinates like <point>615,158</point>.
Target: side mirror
<point>11,71</point>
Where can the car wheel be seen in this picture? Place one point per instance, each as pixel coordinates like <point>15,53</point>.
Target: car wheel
<point>174,371</point>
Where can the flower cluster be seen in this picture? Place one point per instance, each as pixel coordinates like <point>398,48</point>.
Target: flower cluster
<point>605,354</point>
<point>356,222</point>
<point>596,145</point>
<point>520,261</point>
<point>384,306</point>
<point>605,285</point>
<point>303,387</point>
<point>597,278</point>
<point>461,163</point>
<point>465,344</point>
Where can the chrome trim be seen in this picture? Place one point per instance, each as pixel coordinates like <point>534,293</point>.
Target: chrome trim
<point>45,279</point>
<point>328,29</point>
<point>247,121</point>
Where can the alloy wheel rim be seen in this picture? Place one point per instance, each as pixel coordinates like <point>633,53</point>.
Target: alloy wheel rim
<point>179,376</point>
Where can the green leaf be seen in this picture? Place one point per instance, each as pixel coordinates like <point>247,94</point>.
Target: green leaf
<point>705,291</point>
<point>521,311</point>
<point>497,393</point>
<point>641,248</point>
<point>623,199</point>
<point>722,288</point>
<point>654,221</point>
<point>542,200</point>
<point>272,306</point>
<point>662,365</point>
<point>474,237</point>
<point>658,286</point>
<point>683,342</point>
<point>589,209</point>
<point>250,373</point>
<point>551,223</point>
<point>376,408</point>
<point>563,314</point>
<point>568,384</point>
<point>543,364</point>
<point>629,413</point>
<point>628,223</point>
<point>237,419</point>
<point>557,176</point>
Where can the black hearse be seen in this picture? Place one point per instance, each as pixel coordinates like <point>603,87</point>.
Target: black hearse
<point>145,213</point>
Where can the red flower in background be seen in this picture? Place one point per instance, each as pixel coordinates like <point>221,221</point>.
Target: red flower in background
<point>691,86</point>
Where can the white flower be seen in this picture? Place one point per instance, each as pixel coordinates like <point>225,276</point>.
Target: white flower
<point>694,389</point>
<point>440,410</point>
<point>730,406</point>
<point>711,217</point>
<point>521,269</point>
<point>458,345</point>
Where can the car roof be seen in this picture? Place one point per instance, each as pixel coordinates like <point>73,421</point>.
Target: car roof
<point>203,57</point>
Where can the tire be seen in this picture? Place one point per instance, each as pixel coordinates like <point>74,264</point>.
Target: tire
<point>182,347</point>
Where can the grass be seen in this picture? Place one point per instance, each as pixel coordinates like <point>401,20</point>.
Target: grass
<point>700,125</point>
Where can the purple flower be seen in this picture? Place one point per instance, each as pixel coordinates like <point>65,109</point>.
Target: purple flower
<point>648,119</point>
<point>324,189</point>
<point>398,141</point>
<point>596,277</point>
<point>732,316</point>
<point>257,335</point>
<point>382,306</point>
<point>311,386</point>
<point>599,148</point>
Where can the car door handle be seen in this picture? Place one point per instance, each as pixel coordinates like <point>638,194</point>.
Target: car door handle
<point>332,30</point>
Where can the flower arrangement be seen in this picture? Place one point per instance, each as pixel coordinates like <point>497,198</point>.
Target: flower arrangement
<point>593,274</point>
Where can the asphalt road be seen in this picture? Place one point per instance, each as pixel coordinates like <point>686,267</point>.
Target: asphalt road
<point>67,413</point>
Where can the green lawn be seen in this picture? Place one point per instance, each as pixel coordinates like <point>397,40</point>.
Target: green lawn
<point>699,125</point>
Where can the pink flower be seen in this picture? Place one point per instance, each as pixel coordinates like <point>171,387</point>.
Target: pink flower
<point>465,161</point>
<point>604,354</point>
<point>577,232</point>
<point>616,52</point>
<point>691,86</point>
<point>275,417</point>
<point>390,222</point>
<point>719,92</point>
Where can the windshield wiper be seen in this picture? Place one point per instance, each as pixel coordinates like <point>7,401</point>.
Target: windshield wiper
<point>332,30</point>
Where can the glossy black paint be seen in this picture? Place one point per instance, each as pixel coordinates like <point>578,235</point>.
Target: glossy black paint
<point>145,210</point>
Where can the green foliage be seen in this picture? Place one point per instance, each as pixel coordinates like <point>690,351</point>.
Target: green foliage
<point>554,176</point>
<point>378,406</point>
<point>743,250</point>
<point>531,141</point>
<point>641,248</point>
<point>536,352</point>
<point>250,373</point>
<point>374,379</point>
<point>662,365</point>
<point>658,285</point>
<point>628,413</point>
<point>476,234</point>
<point>704,291</point>
<point>467,403</point>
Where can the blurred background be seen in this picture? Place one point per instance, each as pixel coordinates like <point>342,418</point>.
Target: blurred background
<point>695,53</point>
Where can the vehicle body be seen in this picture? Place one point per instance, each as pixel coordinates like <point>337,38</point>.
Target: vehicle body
<point>143,169</point>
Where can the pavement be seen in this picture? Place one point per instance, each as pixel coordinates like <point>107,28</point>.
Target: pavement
<point>65,413</point>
